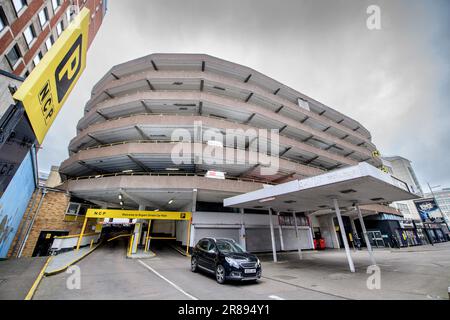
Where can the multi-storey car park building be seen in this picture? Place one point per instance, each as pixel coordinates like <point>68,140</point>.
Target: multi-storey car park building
<point>121,155</point>
<point>28,29</point>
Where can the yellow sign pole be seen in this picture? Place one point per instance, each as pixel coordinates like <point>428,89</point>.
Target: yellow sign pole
<point>188,237</point>
<point>131,245</point>
<point>82,232</point>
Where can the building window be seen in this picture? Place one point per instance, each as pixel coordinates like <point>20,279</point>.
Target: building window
<point>59,28</point>
<point>37,59</point>
<point>56,4</point>
<point>3,19</point>
<point>49,42</point>
<point>19,5</point>
<point>43,16</point>
<point>29,34</point>
<point>13,56</point>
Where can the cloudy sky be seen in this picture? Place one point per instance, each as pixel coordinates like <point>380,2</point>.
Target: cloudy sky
<point>395,81</point>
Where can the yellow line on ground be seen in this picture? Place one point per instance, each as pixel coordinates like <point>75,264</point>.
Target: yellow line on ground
<point>120,235</point>
<point>33,288</point>
<point>72,262</point>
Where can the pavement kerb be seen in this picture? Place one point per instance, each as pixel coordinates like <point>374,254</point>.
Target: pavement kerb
<point>36,282</point>
<point>72,262</point>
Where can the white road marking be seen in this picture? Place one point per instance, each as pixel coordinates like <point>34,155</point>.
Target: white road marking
<point>167,280</point>
<point>275,297</point>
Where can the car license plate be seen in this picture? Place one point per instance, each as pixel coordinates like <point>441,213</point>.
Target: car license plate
<point>250,271</point>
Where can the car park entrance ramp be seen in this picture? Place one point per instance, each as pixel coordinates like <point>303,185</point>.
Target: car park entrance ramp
<point>137,235</point>
<point>336,190</point>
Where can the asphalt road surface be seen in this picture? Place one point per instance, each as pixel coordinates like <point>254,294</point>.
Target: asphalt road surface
<point>108,274</point>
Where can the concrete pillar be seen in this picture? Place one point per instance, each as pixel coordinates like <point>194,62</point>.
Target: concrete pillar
<point>354,233</point>
<point>297,234</point>
<point>344,236</point>
<point>280,231</point>
<point>366,238</point>
<point>242,234</point>
<point>272,237</point>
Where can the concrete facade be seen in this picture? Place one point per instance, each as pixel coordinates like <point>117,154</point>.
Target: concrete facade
<point>402,169</point>
<point>123,154</point>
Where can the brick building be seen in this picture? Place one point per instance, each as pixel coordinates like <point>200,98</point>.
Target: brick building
<point>28,28</point>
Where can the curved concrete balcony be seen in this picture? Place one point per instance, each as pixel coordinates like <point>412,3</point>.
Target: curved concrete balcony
<point>160,157</point>
<point>226,69</point>
<point>157,191</point>
<point>213,105</point>
<point>155,127</point>
<point>227,87</point>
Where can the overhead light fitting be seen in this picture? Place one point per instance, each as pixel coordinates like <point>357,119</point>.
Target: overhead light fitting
<point>170,201</point>
<point>267,199</point>
<point>121,203</point>
<point>120,196</point>
<point>172,169</point>
<point>127,171</point>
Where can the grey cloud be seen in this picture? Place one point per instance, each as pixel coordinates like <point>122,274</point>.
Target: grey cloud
<point>394,81</point>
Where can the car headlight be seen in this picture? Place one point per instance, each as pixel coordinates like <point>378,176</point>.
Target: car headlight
<point>258,263</point>
<point>232,262</point>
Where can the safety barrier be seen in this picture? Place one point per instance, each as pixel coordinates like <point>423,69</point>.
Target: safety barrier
<point>70,242</point>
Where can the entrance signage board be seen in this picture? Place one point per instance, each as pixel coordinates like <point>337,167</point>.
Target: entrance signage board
<point>137,214</point>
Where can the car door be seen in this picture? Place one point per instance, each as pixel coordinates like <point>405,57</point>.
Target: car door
<point>202,247</point>
<point>211,255</point>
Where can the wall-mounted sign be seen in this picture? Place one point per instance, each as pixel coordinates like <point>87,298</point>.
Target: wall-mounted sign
<point>47,88</point>
<point>136,214</point>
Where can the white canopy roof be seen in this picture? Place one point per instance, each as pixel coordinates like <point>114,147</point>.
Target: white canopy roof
<point>362,184</point>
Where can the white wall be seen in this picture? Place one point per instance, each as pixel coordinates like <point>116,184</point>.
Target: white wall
<point>222,224</point>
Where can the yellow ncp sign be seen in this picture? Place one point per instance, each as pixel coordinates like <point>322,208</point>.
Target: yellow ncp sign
<point>136,214</point>
<point>46,89</point>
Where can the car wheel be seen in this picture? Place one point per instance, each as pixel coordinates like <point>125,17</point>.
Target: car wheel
<point>194,265</point>
<point>220,274</point>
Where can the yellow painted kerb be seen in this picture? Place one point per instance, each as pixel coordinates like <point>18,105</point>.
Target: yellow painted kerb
<point>33,288</point>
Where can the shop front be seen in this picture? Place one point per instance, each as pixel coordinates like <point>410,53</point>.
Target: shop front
<point>409,236</point>
<point>435,232</point>
<point>421,232</point>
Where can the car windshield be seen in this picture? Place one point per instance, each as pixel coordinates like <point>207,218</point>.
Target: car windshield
<point>228,246</point>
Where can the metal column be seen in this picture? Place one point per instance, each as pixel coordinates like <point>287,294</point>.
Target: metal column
<point>366,238</point>
<point>297,234</point>
<point>280,231</point>
<point>344,236</point>
<point>242,235</point>
<point>272,237</point>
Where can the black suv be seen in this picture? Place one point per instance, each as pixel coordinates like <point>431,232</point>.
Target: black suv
<point>226,259</point>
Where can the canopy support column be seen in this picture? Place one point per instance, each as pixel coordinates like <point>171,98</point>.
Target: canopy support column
<point>242,234</point>
<point>272,237</point>
<point>366,238</point>
<point>280,231</point>
<point>344,236</point>
<point>297,234</point>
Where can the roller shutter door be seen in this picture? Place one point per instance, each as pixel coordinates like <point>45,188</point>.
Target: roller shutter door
<point>258,239</point>
<point>231,233</point>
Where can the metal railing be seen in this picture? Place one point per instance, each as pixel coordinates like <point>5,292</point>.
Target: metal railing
<point>155,174</point>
